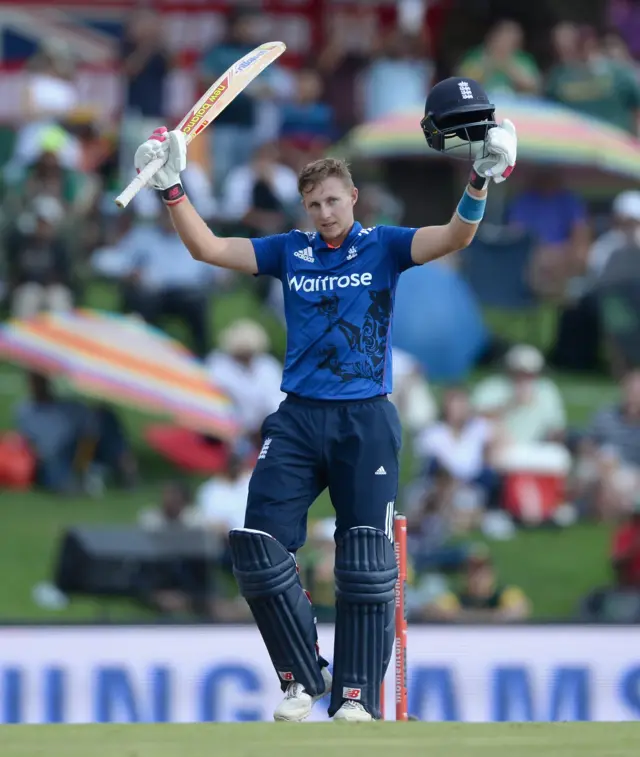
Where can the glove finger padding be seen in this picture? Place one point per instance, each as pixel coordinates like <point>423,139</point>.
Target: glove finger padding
<point>510,127</point>
<point>169,146</point>
<point>177,150</point>
<point>501,150</point>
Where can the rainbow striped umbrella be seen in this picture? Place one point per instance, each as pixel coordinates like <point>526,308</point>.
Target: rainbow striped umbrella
<point>121,360</point>
<point>547,133</point>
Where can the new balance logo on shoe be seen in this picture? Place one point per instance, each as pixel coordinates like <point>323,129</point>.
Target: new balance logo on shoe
<point>381,471</point>
<point>306,255</point>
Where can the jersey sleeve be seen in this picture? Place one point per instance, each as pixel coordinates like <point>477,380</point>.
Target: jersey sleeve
<point>397,240</point>
<point>270,253</point>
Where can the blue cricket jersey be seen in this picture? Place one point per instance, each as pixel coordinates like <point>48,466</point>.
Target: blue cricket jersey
<point>338,308</point>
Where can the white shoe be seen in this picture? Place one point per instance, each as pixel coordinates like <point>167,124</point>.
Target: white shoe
<point>296,705</point>
<point>352,712</point>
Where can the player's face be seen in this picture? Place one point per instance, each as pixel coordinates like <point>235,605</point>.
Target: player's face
<point>330,206</point>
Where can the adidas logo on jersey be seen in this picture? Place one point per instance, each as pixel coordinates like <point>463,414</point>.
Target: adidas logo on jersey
<point>352,253</point>
<point>328,283</point>
<point>306,255</point>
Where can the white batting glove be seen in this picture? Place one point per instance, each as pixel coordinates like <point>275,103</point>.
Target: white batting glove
<point>170,146</point>
<point>501,151</point>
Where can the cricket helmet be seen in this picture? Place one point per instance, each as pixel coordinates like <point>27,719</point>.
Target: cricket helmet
<point>457,118</point>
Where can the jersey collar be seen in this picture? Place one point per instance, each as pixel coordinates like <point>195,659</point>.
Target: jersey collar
<point>320,244</point>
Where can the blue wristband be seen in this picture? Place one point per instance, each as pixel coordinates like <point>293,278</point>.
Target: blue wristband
<point>471,209</point>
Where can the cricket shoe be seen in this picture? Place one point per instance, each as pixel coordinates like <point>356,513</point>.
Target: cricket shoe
<point>352,712</point>
<point>296,705</point>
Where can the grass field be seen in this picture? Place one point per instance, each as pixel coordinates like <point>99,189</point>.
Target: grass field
<point>554,568</point>
<point>321,739</point>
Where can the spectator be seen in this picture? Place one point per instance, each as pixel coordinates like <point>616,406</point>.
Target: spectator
<point>500,64</point>
<point>46,176</point>
<point>617,287</point>
<point>625,227</point>
<point>457,452</point>
<point>233,136</point>
<point>161,279</point>
<point>398,78</point>
<point>241,364</point>
<point>557,220</point>
<point>307,123</point>
<point>175,509</point>
<point>607,472</point>
<point>262,195</point>
<point>482,599</point>
<point>411,393</point>
<point>624,16</point>
<point>221,502</point>
<point>619,603</point>
<point>50,96</point>
<point>344,58</point>
<point>580,325</point>
<point>625,554</point>
<point>67,437</point>
<point>433,528</point>
<point>145,65</point>
<point>584,79</point>
<point>38,261</point>
<point>615,48</point>
<point>179,586</point>
<point>527,404</point>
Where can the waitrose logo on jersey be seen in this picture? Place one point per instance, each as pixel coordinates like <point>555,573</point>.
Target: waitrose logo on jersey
<point>328,283</point>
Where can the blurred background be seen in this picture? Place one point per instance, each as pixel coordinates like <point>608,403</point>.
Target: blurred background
<point>134,381</point>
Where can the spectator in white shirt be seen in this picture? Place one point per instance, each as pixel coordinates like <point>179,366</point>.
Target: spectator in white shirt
<point>527,404</point>
<point>221,502</point>
<point>244,369</point>
<point>411,393</point>
<point>457,453</point>
<point>529,414</point>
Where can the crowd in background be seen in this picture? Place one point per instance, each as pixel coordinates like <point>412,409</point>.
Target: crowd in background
<point>61,232</point>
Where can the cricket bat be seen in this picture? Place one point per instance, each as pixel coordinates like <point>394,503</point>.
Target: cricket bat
<point>209,107</point>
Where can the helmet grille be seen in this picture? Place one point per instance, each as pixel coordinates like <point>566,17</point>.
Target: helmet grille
<point>482,120</point>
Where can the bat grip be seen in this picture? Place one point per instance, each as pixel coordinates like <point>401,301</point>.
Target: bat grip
<point>140,181</point>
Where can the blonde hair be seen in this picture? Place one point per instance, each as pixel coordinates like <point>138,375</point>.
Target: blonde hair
<point>319,170</point>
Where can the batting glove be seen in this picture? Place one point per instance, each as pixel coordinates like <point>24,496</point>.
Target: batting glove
<point>500,153</point>
<point>171,147</point>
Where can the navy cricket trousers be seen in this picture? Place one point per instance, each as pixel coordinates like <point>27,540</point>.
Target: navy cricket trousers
<point>351,447</point>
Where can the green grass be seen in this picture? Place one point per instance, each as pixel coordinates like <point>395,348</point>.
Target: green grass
<point>554,568</point>
<point>321,739</point>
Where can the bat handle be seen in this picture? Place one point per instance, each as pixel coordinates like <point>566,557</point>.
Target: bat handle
<point>139,182</point>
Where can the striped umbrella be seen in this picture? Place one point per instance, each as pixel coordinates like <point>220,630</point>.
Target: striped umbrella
<point>124,361</point>
<point>547,133</point>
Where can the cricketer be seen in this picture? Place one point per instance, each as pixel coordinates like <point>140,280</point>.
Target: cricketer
<point>336,428</point>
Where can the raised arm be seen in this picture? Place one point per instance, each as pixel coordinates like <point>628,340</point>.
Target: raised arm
<point>235,253</point>
<point>432,242</point>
